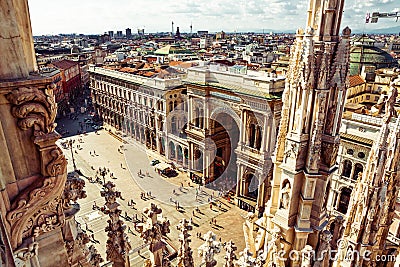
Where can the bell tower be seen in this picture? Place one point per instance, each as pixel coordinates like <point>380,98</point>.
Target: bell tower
<point>308,137</point>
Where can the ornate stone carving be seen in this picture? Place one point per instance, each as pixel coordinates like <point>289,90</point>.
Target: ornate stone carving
<point>33,211</point>
<point>291,150</point>
<point>324,250</point>
<point>25,255</point>
<point>73,190</point>
<point>95,258</point>
<point>117,246</point>
<point>185,258</point>
<point>50,217</point>
<point>328,153</point>
<point>35,108</point>
<point>389,105</point>
<point>207,250</point>
<point>152,233</point>
<point>57,165</point>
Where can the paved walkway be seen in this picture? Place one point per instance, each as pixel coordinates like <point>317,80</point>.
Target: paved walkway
<point>160,187</point>
<point>229,217</point>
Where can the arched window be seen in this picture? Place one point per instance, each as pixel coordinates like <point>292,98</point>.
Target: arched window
<point>258,137</point>
<point>346,171</point>
<point>171,150</point>
<point>344,200</point>
<point>196,117</point>
<point>173,125</point>
<point>252,186</point>
<point>252,135</point>
<point>358,168</point>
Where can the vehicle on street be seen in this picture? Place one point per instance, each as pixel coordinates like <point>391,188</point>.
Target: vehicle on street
<point>154,162</point>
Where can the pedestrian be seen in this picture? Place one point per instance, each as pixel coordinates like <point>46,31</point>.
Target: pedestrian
<point>210,206</point>
<point>215,221</point>
<point>121,166</point>
<point>193,212</point>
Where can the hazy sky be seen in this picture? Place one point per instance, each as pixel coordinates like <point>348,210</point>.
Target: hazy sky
<point>98,16</point>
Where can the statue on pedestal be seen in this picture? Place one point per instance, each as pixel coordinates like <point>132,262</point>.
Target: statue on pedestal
<point>153,231</point>
<point>230,256</point>
<point>118,246</point>
<point>185,258</point>
<point>207,251</point>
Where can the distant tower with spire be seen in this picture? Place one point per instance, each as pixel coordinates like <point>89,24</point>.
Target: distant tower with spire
<point>172,28</point>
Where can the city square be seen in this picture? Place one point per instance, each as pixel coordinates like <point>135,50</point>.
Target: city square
<point>101,149</point>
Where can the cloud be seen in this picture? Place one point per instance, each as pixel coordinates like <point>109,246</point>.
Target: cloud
<point>98,16</point>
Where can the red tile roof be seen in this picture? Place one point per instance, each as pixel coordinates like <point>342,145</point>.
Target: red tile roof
<point>65,64</point>
<point>356,80</point>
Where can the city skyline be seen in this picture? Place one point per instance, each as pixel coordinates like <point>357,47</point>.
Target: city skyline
<point>241,16</point>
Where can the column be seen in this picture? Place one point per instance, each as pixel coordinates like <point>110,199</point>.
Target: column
<point>265,135</point>
<point>238,182</point>
<point>256,136</point>
<point>242,127</point>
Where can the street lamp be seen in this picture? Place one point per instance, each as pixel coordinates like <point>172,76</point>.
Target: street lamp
<point>72,154</point>
<point>103,173</point>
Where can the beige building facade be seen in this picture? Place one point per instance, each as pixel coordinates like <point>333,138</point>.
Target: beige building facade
<point>218,123</point>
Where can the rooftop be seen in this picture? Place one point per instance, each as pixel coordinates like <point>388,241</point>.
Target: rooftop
<point>65,64</point>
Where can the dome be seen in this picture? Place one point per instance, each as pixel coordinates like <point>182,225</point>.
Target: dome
<point>365,55</point>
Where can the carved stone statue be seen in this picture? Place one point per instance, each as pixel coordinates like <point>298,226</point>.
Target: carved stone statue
<point>152,232</point>
<point>389,105</point>
<point>324,250</point>
<point>207,250</point>
<point>73,190</point>
<point>185,258</point>
<point>95,258</point>
<point>248,230</point>
<point>230,256</point>
<point>274,247</point>
<point>117,246</point>
<point>285,201</point>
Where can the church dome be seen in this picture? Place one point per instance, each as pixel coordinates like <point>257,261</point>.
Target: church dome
<point>366,55</point>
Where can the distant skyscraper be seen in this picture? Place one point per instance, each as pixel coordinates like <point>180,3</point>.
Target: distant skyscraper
<point>178,34</point>
<point>172,28</point>
<point>111,33</point>
<point>128,32</point>
<point>119,34</point>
